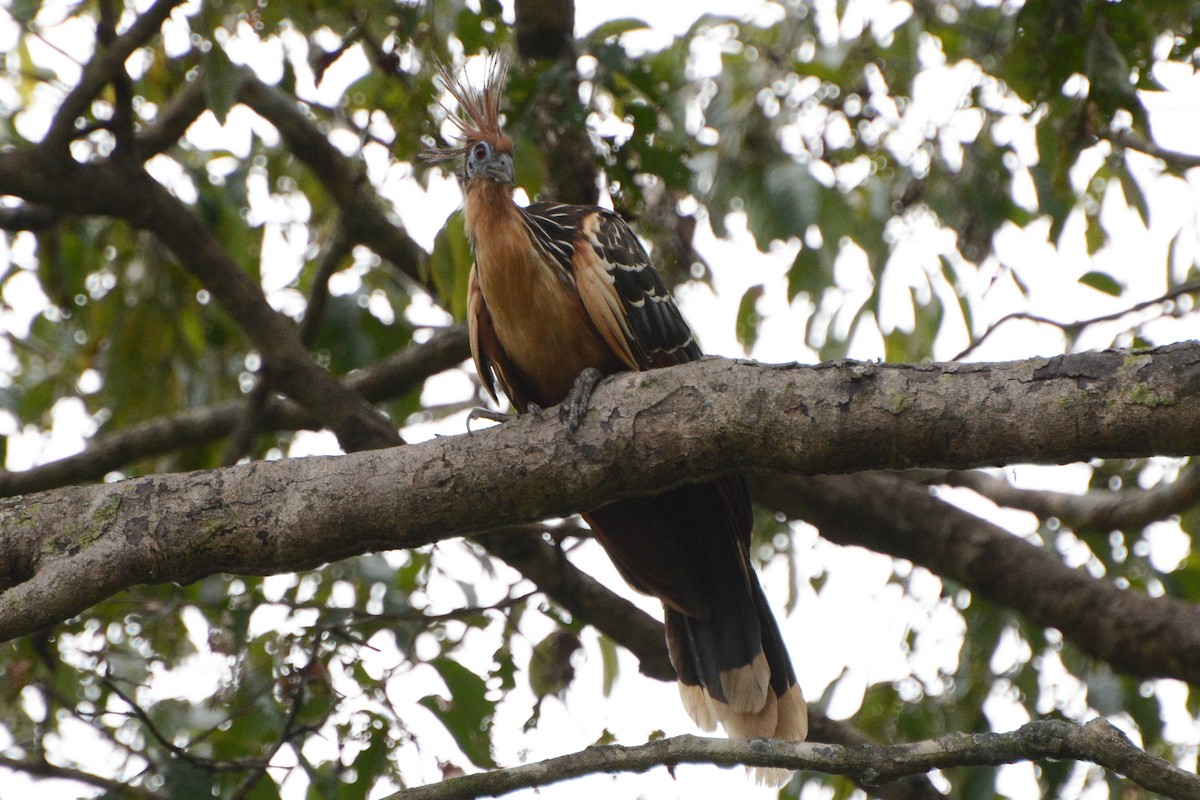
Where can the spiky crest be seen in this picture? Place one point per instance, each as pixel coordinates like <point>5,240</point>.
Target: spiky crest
<point>478,114</point>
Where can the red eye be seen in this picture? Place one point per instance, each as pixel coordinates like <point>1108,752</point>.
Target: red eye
<point>480,151</point>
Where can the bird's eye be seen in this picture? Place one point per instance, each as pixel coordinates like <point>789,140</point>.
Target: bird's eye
<point>480,151</point>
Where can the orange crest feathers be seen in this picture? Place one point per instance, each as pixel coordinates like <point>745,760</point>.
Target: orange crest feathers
<point>481,107</point>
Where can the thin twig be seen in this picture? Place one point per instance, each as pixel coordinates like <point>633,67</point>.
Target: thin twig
<point>1074,327</point>
<point>199,762</point>
<point>1133,140</point>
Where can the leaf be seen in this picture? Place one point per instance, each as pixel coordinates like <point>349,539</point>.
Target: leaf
<point>811,272</point>
<point>1102,282</point>
<point>550,667</point>
<point>1134,196</point>
<point>450,265</point>
<point>615,28</point>
<point>608,655</point>
<point>748,319</point>
<point>468,713</point>
<point>1094,235</point>
<point>221,81</point>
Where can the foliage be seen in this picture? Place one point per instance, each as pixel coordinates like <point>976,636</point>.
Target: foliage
<point>908,141</point>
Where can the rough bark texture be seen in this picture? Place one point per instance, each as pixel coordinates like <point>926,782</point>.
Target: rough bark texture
<point>67,549</point>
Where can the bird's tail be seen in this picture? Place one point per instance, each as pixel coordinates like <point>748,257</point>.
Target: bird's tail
<point>758,698</point>
<point>690,548</point>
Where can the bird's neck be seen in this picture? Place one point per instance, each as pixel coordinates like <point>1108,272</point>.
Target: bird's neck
<point>488,204</point>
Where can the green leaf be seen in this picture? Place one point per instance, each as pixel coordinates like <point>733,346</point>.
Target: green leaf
<point>1102,282</point>
<point>748,319</point>
<point>811,272</point>
<point>1094,235</point>
<point>608,655</point>
<point>221,80</point>
<point>615,28</point>
<point>1134,196</point>
<point>550,667</point>
<point>450,265</point>
<point>467,714</point>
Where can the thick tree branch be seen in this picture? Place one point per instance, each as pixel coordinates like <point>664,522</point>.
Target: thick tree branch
<point>1097,742</point>
<point>67,549</point>
<point>1135,633</point>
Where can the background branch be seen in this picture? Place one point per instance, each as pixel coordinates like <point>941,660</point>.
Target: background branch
<point>112,787</point>
<point>1097,742</point>
<point>1136,633</point>
<point>108,63</point>
<point>392,377</point>
<point>1093,511</point>
<point>131,194</point>
<point>363,219</point>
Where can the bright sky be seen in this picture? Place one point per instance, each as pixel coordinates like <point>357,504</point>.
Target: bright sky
<point>856,625</point>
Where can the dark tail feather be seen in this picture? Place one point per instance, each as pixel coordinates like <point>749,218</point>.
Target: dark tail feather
<point>689,547</point>
<point>749,696</point>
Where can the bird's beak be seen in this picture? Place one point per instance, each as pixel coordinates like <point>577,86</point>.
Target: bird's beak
<point>500,168</point>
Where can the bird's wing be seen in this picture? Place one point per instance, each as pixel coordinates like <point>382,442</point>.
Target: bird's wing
<point>623,294</point>
<point>479,329</point>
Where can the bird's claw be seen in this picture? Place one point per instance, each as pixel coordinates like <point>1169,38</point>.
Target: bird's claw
<point>574,406</point>
<point>488,414</point>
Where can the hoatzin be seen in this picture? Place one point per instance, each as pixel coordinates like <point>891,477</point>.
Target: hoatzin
<point>560,295</point>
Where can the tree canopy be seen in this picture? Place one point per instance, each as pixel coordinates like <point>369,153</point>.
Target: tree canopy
<point>224,257</point>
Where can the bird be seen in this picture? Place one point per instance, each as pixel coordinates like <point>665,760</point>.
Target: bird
<point>560,296</point>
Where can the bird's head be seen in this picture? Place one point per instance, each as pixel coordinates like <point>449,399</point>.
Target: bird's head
<point>486,151</point>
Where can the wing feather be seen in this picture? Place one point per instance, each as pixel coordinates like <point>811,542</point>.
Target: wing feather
<point>625,296</point>
<point>479,329</point>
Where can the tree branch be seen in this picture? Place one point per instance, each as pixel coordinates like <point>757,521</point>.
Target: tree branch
<point>112,788</point>
<point>392,377</point>
<point>107,64</point>
<point>362,217</point>
<point>1128,509</point>
<point>64,550</point>
<point>125,193</point>
<point>1073,328</point>
<point>1133,140</point>
<point>548,568</point>
<point>28,217</point>
<point>173,120</point>
<point>1097,742</point>
<point>1135,633</point>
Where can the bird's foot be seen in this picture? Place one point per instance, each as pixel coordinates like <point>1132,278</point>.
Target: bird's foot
<point>575,405</point>
<point>488,414</point>
<point>500,416</point>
